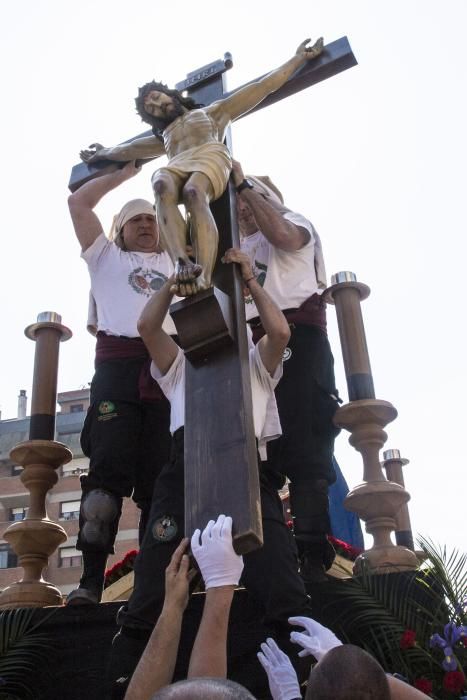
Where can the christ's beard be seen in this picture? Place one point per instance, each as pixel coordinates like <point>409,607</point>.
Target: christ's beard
<point>175,112</point>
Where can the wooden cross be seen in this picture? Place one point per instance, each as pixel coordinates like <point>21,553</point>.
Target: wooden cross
<point>221,471</point>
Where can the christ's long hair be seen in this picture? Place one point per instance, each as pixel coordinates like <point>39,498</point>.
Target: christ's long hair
<point>158,124</point>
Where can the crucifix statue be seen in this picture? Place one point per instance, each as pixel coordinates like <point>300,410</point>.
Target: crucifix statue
<point>199,162</point>
<point>221,473</point>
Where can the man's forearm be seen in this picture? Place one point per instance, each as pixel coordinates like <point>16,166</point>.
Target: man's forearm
<point>271,317</point>
<point>156,666</point>
<point>279,232</point>
<point>209,655</point>
<point>155,311</point>
<point>90,194</point>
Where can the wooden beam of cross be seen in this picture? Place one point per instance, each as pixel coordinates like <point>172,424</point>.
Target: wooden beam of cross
<point>335,58</point>
<point>221,470</point>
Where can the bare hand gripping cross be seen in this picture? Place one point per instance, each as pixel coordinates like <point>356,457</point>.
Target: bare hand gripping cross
<point>199,163</point>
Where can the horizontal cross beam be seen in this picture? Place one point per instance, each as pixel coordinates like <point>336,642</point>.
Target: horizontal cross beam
<point>335,58</point>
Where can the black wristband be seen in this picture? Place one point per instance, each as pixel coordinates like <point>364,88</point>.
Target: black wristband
<point>245,184</point>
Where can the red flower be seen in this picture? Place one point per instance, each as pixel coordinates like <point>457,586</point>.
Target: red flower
<point>290,524</point>
<point>407,640</point>
<point>453,681</point>
<point>424,685</point>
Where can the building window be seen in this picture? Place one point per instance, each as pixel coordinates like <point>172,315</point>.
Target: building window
<point>77,408</point>
<point>76,467</point>
<point>69,510</point>
<point>17,513</point>
<point>8,559</point>
<point>68,557</point>
<point>16,470</point>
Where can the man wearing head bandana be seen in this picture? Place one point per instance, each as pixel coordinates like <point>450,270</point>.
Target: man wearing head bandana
<point>287,259</point>
<point>126,432</point>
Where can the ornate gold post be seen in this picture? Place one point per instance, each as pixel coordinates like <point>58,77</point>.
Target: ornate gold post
<point>376,500</point>
<point>36,537</point>
<point>393,463</point>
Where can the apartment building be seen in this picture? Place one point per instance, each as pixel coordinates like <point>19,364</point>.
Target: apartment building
<point>62,501</point>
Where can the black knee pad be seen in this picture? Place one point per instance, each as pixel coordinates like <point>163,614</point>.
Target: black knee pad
<point>100,512</point>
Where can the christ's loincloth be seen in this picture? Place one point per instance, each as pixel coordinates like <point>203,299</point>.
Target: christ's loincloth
<point>213,159</point>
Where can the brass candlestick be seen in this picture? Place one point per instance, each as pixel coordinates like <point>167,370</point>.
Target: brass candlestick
<point>393,463</point>
<point>376,500</point>
<point>36,537</point>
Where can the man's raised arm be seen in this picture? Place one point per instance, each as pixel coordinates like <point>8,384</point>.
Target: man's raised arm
<point>82,203</point>
<point>249,96</point>
<point>273,344</point>
<point>161,347</point>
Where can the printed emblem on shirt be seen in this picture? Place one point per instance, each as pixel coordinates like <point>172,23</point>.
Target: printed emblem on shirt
<point>106,410</point>
<point>259,271</point>
<point>286,355</point>
<point>146,280</point>
<point>164,529</point>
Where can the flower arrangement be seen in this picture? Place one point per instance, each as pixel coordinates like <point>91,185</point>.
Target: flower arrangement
<point>413,623</point>
<point>453,646</point>
<point>121,568</point>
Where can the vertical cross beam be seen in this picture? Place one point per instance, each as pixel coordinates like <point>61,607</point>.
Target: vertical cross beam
<point>221,470</point>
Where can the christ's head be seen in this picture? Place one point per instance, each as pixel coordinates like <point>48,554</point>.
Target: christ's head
<point>158,106</point>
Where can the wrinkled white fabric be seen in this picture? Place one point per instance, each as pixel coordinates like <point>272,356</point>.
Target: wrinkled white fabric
<point>134,207</point>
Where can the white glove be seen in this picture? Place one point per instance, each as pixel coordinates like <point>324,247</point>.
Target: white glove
<point>217,560</point>
<point>283,681</point>
<point>316,641</point>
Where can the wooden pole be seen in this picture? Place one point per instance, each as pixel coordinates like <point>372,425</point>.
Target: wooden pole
<point>376,500</point>
<point>35,538</point>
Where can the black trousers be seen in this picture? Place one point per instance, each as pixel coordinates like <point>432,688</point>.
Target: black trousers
<point>306,407</point>
<point>126,439</point>
<point>270,573</point>
<point>307,400</point>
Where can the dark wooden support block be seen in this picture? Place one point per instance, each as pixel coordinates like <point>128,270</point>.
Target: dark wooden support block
<point>204,323</point>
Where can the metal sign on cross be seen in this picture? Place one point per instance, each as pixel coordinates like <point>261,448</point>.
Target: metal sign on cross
<point>221,469</point>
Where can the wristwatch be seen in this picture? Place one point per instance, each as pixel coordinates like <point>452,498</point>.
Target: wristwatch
<point>244,185</point>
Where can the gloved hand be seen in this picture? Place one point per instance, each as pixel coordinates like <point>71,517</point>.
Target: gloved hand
<point>316,641</point>
<point>283,681</point>
<point>217,560</point>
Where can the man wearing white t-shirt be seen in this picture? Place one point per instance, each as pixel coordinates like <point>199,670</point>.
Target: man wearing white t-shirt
<point>271,572</point>
<point>285,252</point>
<point>126,431</point>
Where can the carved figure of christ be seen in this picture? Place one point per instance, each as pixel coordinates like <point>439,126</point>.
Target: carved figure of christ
<point>199,163</point>
<point>221,473</point>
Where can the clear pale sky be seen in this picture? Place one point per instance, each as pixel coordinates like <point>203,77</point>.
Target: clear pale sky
<point>375,157</point>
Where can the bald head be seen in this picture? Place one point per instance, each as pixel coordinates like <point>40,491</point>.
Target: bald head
<point>347,673</point>
<point>204,689</point>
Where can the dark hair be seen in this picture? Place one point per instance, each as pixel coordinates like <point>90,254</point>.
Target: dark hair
<point>159,124</point>
<point>348,673</point>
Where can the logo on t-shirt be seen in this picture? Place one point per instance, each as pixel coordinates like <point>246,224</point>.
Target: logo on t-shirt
<point>146,280</point>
